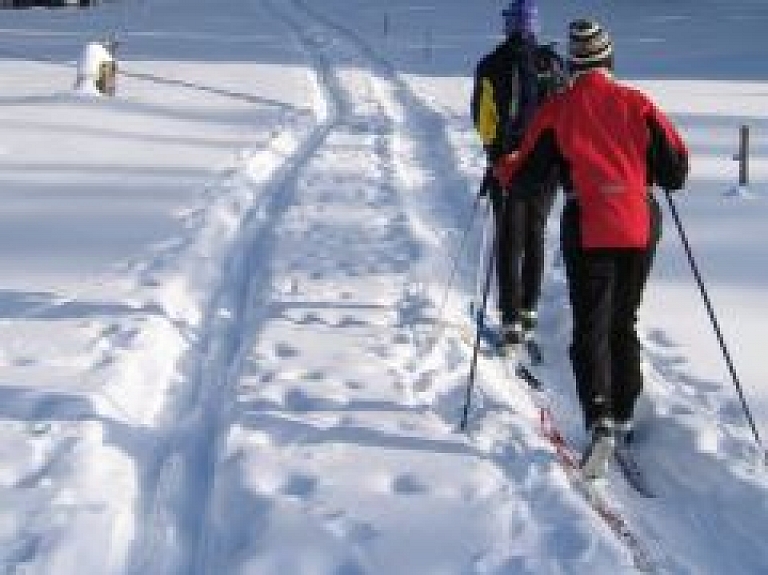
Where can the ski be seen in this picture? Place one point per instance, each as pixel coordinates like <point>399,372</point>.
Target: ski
<point>528,377</point>
<point>610,515</point>
<point>569,459</point>
<point>534,351</point>
<point>626,462</point>
<point>632,471</point>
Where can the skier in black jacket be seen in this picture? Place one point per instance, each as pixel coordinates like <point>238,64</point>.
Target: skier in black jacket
<point>510,83</point>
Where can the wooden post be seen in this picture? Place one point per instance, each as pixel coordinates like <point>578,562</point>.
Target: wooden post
<point>744,155</point>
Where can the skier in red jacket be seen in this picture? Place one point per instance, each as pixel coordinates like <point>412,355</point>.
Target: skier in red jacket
<point>611,144</point>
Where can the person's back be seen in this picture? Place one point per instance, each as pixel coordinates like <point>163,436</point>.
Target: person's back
<point>512,81</point>
<point>611,143</point>
<point>510,84</point>
<point>504,96</point>
<point>603,132</point>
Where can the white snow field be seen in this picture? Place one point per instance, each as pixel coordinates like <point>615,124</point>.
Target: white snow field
<point>234,300</point>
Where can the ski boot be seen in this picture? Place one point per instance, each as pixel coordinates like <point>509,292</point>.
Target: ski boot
<point>600,450</point>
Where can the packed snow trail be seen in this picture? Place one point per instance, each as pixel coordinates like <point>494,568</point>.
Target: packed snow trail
<point>317,382</point>
<point>265,375</point>
<point>669,525</point>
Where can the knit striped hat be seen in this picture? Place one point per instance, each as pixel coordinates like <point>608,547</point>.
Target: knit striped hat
<point>588,46</point>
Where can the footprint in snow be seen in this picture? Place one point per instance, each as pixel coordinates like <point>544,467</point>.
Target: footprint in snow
<point>314,375</point>
<point>285,350</point>
<point>299,485</point>
<point>343,526</point>
<point>351,321</point>
<point>408,484</point>
<point>297,401</point>
<point>401,338</point>
<point>311,318</point>
<point>354,384</point>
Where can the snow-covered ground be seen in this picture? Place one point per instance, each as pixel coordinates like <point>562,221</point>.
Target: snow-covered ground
<point>232,299</point>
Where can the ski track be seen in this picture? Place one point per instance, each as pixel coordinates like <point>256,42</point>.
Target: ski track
<point>669,526</point>
<point>251,402</point>
<point>177,485</point>
<point>246,397</point>
<point>277,408</point>
<point>245,385</point>
<point>294,307</point>
<point>177,534</point>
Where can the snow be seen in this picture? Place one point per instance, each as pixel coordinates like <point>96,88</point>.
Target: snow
<point>94,57</point>
<point>233,296</point>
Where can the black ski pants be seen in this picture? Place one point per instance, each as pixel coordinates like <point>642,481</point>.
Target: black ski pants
<point>606,287</point>
<point>520,225</point>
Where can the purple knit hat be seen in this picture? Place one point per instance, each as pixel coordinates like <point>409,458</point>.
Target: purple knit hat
<point>521,17</point>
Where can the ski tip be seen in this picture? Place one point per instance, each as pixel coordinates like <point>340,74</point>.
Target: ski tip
<point>525,374</point>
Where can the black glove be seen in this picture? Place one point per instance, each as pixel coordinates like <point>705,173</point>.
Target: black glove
<point>489,182</point>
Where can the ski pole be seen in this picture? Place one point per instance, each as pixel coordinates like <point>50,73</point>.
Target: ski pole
<point>715,324</point>
<point>437,331</point>
<point>457,258</point>
<point>492,249</point>
<point>479,279</point>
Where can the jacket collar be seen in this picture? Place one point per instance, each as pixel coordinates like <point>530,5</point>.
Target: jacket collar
<point>519,40</point>
<point>591,75</point>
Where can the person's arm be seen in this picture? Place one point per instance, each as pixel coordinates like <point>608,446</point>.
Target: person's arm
<point>537,157</point>
<point>667,153</point>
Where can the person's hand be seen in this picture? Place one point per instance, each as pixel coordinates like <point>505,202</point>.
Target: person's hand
<point>505,169</point>
<point>488,182</point>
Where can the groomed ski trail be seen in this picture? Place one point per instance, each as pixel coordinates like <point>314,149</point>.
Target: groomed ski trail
<point>277,440</point>
<point>177,484</point>
<point>272,403</point>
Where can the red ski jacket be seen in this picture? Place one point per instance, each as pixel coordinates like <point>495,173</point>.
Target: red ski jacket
<point>610,143</point>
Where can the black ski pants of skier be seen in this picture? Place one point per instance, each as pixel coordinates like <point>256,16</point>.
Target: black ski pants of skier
<point>606,287</point>
<point>520,226</point>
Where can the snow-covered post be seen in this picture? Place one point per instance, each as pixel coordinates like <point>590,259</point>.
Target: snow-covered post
<point>97,69</point>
